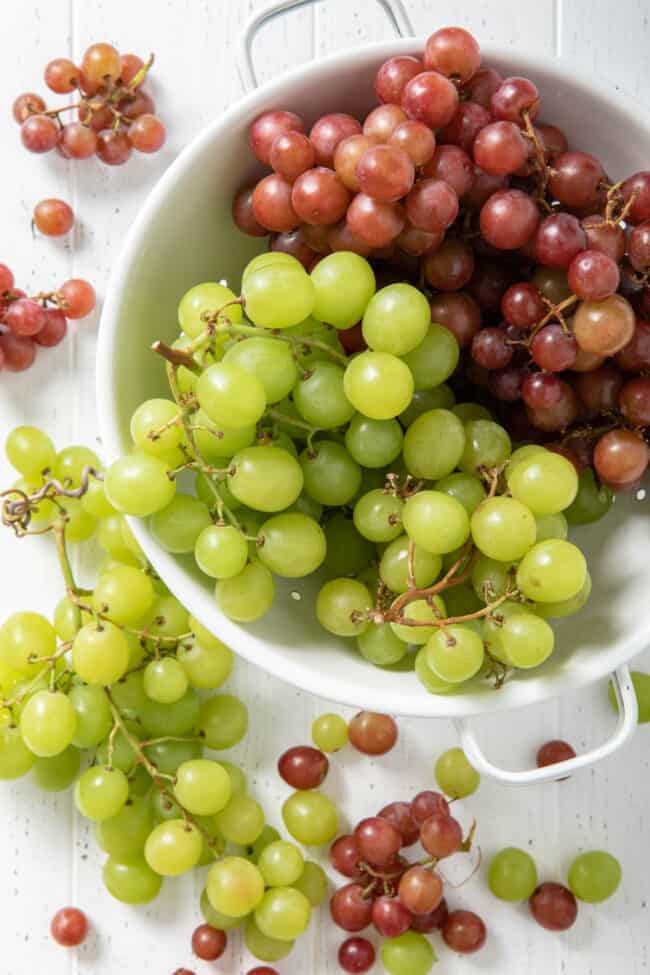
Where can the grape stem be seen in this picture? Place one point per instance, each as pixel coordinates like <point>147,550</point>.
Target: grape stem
<point>145,634</point>
<point>451,578</point>
<point>16,511</point>
<point>64,561</point>
<point>293,421</point>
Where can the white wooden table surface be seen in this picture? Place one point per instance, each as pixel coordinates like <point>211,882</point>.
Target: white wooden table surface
<point>47,855</point>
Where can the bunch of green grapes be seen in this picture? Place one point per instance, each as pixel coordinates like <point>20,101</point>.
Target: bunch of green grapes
<point>112,698</point>
<point>425,528</point>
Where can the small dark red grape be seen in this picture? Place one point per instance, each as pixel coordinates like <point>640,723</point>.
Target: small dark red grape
<point>303,767</point>
<point>553,752</point>
<point>69,927</point>
<point>441,836</point>
<point>372,733</point>
<point>356,955</point>
<point>209,943</point>
<point>464,932</point>
<point>389,917</point>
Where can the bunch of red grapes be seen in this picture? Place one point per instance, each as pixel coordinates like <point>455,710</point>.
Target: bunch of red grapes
<point>114,114</point>
<point>42,320</point>
<point>537,263</point>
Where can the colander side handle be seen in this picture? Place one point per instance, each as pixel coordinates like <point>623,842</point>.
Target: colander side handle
<point>394,9</point>
<point>627,722</point>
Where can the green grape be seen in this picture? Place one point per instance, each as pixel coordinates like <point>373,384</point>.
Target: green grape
<point>207,667</point>
<point>15,757</point>
<point>230,395</point>
<point>165,680</point>
<point>164,807</point>
<point>139,783</point>
<point>247,596</point>
<point>331,476</point>
<point>396,319</point>
<point>373,443</point>
<point>100,653</point>
<point>338,603</point>
<point>595,876</point>
<point>426,676</point>
<point>57,773</point>
<point>129,695</point>
<point>592,501</point>
<point>545,482</point>
<point>147,421</point>
<point>216,443</point>
<point>436,522</point>
<point>310,817</point>
<point>344,283</point>
<point>268,835</point>
<point>491,578</point>
<point>422,611</point>
<point>522,453</point>
<point>238,784</point>
<point>307,355</point>
<point>565,607</point>
<point>124,835</point>
<point>437,398</point>
<point>455,776</point>
<point>221,551</point>
<point>30,451</point>
<point>347,551</point>
<point>378,516</point>
<point>167,756</point>
<point>204,300</point>
<point>455,654</point>
<point>270,361</point>
<point>378,384</point>
<point>48,723</point>
<point>202,786</point>
<point>173,847</point>
<point>211,489</point>
<point>434,444</point>
<point>283,913</point>
<point>241,820</point>
<point>185,378</point>
<point>223,721</point>
<point>470,411</point>
<point>434,359</point>
<point>487,445</point>
<point>380,645</point>
<point>179,718</point>
<point>641,684</point>
<point>101,792</point>
<point>461,600</point>
<point>393,567</point>
<point>270,259</point>
<point>80,526</point>
<point>139,485</point>
<point>111,539</point>
<point>313,883</point>
<point>125,594</point>
<point>131,881</point>
<point>409,954</point>
<point>167,617</point>
<point>265,478</point>
<point>493,624</point>
<point>235,887</point>
<point>512,875</point>
<point>278,295</point>
<point>552,571</point>
<point>526,640</point>
<point>178,525</point>
<point>214,918</point>
<point>304,505</point>
<point>261,946</point>
<point>94,502</point>
<point>70,463</point>
<point>550,526</point>
<point>124,755</point>
<point>465,488</point>
<point>329,732</point>
<point>23,636</point>
<point>291,545</point>
<point>319,397</point>
<point>43,512</point>
<point>503,529</point>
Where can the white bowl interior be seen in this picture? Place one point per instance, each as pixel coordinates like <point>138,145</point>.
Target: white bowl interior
<point>185,235</point>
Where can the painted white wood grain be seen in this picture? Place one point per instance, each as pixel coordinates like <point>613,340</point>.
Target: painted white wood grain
<point>48,855</point>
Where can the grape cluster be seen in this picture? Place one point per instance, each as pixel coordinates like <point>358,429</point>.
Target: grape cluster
<point>536,262</point>
<point>42,320</point>
<point>114,113</point>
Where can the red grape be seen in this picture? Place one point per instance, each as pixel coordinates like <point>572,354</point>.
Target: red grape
<point>328,131</point>
<point>553,906</point>
<point>552,283</point>
<point>208,943</point>
<point>553,752</point>
<point>433,921</point>
<point>635,356</point>
<point>140,103</point>
<point>345,856</point>
<point>113,147</point>
<point>39,133</point>
<point>183,971</point>
<point>267,127</point>
<point>500,148</point>
<point>394,75</point>
<point>382,122</point>
<point>593,275</point>
<point>454,166</point>
<point>427,804</point>
<point>450,266</point>
<point>604,327</point>
<point>25,317</point>
<point>69,927</point>
<point>441,835</point>
<point>482,187</point>
<point>130,65</point>
<point>26,105</point>
<point>372,733</point>
<point>634,401</point>
<point>341,238</point>
<point>54,330</point>
<point>349,908</point>
<point>522,305</point>
<point>598,389</point>
<point>453,52</point>
<point>553,140</point>
<point>541,390</point>
<point>432,205</point>
<point>53,217</point>
<point>431,98</point>
<point>378,224</point>
<point>272,206</point>
<point>62,76</point>
<point>378,840</point>
<point>420,890</point>
<point>389,917</point>
<point>317,238</point>
<point>261,970</point>
<point>509,219</point>
<point>243,213</point>
<point>506,384</point>
<point>483,85</point>
<point>465,125</point>
<point>574,179</point>
<point>553,349</point>
<point>147,133</point>
<point>291,154</point>
<point>558,416</point>
<point>606,237</point>
<point>385,173</point>
<point>416,139</point>
<point>347,155</point>
<point>17,351</point>
<point>558,239</point>
<point>513,97</point>
<point>459,313</point>
<point>491,349</point>
<point>100,63</point>
<point>77,298</point>
<point>398,814</point>
<point>489,282</point>
<point>639,187</point>
<point>418,242</point>
<point>319,197</point>
<point>294,242</point>
<point>6,279</point>
<point>464,932</point>
<point>78,141</point>
<point>639,247</point>
<point>303,767</point>
<point>356,955</point>
<point>99,118</point>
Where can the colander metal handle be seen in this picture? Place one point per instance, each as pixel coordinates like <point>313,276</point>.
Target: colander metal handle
<point>394,9</point>
<point>627,722</point>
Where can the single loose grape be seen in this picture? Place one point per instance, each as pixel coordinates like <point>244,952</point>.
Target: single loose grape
<point>512,875</point>
<point>454,774</point>
<point>408,954</point>
<point>594,876</point>
<point>552,571</point>
<point>311,818</point>
<point>503,529</point>
<point>329,732</point>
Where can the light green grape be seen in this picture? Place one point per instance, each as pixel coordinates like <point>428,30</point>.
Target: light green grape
<point>566,607</point>
<point>235,887</point>
<point>173,848</point>
<point>111,539</point>
<point>42,512</point>
<point>378,516</point>
<point>291,545</point>
<point>23,636</point>
<point>221,551</point>
<point>512,875</point>
<point>129,694</point>
<point>248,596</point>
<point>422,611</point>
<point>329,732</point>
<point>202,786</point>
<point>94,502</point>
<point>465,488</point>
<point>546,483</point>
<point>146,424</point>
<point>550,526</point>
<point>80,526</point>
<point>204,300</point>
<point>270,361</point>
<point>456,653</point>
<point>132,881</point>
<point>230,395</point>
<point>595,876</point>
<point>331,476</point>
<point>438,398</point>
<point>30,451</point>
<point>207,666</point>
<point>339,602</point>
<point>304,505</point>
<point>503,529</point>
<point>123,755</point>
<point>378,384</point>
<point>101,792</point>
<point>261,946</point>
<point>493,624</point>
<point>124,835</point>
<point>380,645</point>
<point>100,653</point>
<point>471,411</point>
<point>409,954</point>
<point>278,295</point>
<point>265,478</point>
<point>320,399</point>
<point>522,453</point>
<point>311,818</point>
<point>552,571</point>
<point>491,578</point>
<point>592,501</point>
<point>455,776</point>
<point>57,773</point>
<point>347,551</point>
<point>48,723</point>
<point>526,640</point>
<point>393,566</point>
<point>434,444</point>
<point>344,283</point>
<point>487,445</point>
<point>281,863</point>
<point>125,594</point>
<point>223,721</point>
<point>93,713</point>
<point>268,835</point>
<point>396,319</point>
<point>434,359</point>
<point>313,883</point>
<point>238,784</point>
<point>178,525</point>
<point>167,617</point>
<point>179,718</point>
<point>436,522</point>
<point>70,463</point>
<point>216,443</point>
<point>139,485</point>
<point>427,677</point>
<point>270,259</point>
<point>283,913</point>
<point>373,443</point>
<point>15,757</point>
<point>214,918</point>
<point>165,680</point>
<point>168,756</point>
